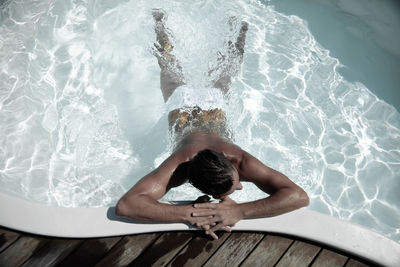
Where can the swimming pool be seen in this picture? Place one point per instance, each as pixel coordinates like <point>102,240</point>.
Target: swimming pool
<point>82,112</point>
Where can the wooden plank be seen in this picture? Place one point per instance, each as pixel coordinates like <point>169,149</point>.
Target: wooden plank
<point>268,251</point>
<point>355,263</point>
<point>164,249</point>
<point>329,258</point>
<point>198,250</point>
<point>90,252</point>
<point>7,238</point>
<point>53,252</point>
<point>21,250</point>
<point>127,249</point>
<point>299,254</point>
<point>235,249</point>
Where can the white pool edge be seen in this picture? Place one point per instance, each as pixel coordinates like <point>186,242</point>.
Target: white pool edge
<point>22,215</point>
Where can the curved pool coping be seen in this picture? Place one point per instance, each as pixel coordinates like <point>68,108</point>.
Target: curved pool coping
<point>22,215</point>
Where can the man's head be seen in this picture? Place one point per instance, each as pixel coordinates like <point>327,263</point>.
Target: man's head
<point>213,174</point>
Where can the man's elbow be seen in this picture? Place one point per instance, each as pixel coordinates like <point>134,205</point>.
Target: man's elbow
<point>131,207</point>
<point>122,208</point>
<point>302,198</point>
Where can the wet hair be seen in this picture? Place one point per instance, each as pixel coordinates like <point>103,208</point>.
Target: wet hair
<point>211,172</point>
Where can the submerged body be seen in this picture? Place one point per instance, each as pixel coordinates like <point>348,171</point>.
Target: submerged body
<point>203,130</point>
<point>186,115</point>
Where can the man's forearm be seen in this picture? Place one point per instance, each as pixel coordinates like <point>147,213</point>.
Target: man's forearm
<point>146,209</point>
<point>282,201</point>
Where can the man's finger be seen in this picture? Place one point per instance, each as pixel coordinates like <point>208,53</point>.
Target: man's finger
<point>212,234</point>
<point>226,229</point>
<point>205,227</point>
<point>203,213</point>
<point>205,205</point>
<point>216,228</point>
<point>200,219</point>
<point>209,221</point>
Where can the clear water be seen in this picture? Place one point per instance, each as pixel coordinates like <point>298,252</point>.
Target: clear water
<point>82,116</point>
<point>363,35</point>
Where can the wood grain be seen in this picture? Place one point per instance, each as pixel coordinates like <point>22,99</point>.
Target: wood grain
<point>17,253</point>
<point>268,252</point>
<point>7,237</point>
<point>198,250</point>
<point>127,249</point>
<point>299,254</point>
<point>329,258</point>
<point>356,263</point>
<point>169,248</point>
<point>164,249</point>
<point>53,252</point>
<point>90,252</point>
<point>235,249</point>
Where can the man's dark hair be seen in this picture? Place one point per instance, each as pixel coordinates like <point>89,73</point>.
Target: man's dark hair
<point>211,172</point>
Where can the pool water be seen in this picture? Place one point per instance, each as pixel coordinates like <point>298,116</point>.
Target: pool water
<point>363,35</point>
<point>82,116</point>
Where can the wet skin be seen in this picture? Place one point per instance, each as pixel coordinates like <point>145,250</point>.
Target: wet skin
<point>141,201</point>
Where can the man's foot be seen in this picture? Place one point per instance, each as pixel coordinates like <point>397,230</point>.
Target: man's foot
<point>228,64</point>
<point>164,45</point>
<point>158,14</point>
<point>238,47</point>
<point>240,41</point>
<point>171,72</point>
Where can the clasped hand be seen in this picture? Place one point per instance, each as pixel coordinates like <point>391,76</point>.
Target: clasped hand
<point>217,216</point>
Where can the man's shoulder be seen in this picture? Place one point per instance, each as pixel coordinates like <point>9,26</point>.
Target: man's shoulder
<point>186,153</point>
<point>232,149</point>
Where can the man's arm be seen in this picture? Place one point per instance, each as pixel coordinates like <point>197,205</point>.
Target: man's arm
<point>141,201</point>
<point>284,196</point>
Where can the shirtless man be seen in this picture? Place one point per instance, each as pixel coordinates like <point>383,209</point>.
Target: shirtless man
<point>205,157</point>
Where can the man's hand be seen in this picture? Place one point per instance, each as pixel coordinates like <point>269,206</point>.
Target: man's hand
<point>217,216</point>
<point>207,228</point>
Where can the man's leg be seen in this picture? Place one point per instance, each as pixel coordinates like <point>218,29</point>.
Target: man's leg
<point>229,64</point>
<point>171,76</point>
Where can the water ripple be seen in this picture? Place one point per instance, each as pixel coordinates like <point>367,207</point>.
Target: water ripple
<point>82,116</point>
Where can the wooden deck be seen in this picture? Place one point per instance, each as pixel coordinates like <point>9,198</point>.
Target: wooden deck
<point>190,248</point>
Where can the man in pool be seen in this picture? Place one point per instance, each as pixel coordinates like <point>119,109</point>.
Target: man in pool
<point>203,155</point>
